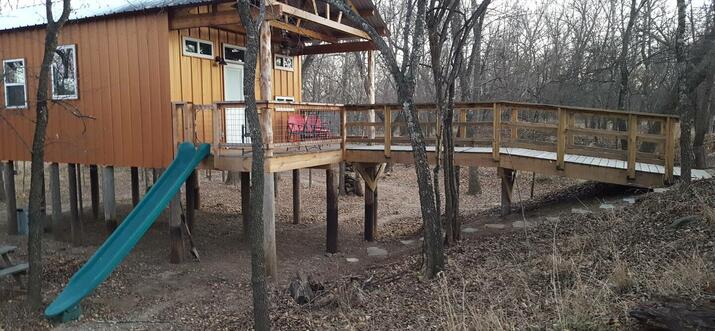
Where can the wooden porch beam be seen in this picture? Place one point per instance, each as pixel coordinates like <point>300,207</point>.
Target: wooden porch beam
<point>218,18</point>
<point>299,13</point>
<point>357,46</point>
<point>304,32</point>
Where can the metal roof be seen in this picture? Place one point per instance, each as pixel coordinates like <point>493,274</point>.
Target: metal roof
<point>34,15</point>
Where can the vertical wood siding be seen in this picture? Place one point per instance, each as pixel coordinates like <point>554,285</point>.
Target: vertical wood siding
<point>200,81</point>
<point>123,78</point>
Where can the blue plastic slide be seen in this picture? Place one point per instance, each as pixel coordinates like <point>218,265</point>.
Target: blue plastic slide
<point>118,245</point>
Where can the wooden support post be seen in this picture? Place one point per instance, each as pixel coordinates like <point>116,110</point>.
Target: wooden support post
<point>331,190</point>
<point>265,60</point>
<point>110,206</point>
<point>75,223</point>
<point>80,196</point>
<point>296,196</point>
<point>11,203</point>
<point>497,132</point>
<point>561,140</point>
<point>191,200</point>
<point>632,145</point>
<point>56,198</point>
<point>514,129</point>
<point>269,226</point>
<point>94,190</point>
<point>507,183</point>
<point>370,213</point>
<point>462,131</point>
<point>371,92</point>
<point>276,181</point>
<point>197,193</point>
<point>135,185</point>
<point>176,240</point>
<point>245,201</point>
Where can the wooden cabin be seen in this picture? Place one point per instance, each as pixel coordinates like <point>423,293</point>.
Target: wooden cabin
<point>128,64</point>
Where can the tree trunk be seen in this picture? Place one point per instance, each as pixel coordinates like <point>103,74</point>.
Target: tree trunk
<point>37,172</point>
<point>258,269</point>
<point>232,178</point>
<point>685,105</point>
<point>474,187</point>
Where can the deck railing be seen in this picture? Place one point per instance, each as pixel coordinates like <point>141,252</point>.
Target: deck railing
<point>310,127</point>
<point>627,136</point>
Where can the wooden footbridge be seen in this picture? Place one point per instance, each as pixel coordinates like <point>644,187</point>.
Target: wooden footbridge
<point>626,148</point>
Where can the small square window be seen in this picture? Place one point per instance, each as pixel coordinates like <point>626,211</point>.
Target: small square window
<point>14,83</point>
<point>283,62</point>
<point>198,48</point>
<point>233,54</point>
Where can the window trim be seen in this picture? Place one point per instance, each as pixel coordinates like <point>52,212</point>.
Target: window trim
<point>6,84</point>
<point>198,50</point>
<point>74,96</point>
<point>223,52</point>
<point>283,67</point>
<point>286,99</point>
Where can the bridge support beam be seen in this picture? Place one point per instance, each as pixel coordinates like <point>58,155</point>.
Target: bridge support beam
<point>507,184</point>
<point>370,173</point>
<point>331,190</point>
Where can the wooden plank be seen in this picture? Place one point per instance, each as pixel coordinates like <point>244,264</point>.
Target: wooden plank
<point>496,144</point>
<point>346,47</point>
<point>293,11</point>
<point>308,33</point>
<point>15,269</point>
<point>561,139</point>
<point>632,145</point>
<point>6,249</point>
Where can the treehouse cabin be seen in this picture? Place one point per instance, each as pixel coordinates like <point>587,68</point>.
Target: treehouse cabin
<point>133,79</point>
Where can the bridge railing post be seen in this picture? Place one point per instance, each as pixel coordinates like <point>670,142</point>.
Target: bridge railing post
<point>561,137</point>
<point>669,149</point>
<point>632,145</point>
<point>388,131</point>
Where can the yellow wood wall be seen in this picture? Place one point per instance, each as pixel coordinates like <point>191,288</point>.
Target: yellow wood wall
<point>200,81</point>
<point>123,80</point>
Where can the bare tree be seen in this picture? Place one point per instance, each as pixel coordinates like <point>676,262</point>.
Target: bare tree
<point>404,78</point>
<point>37,175</point>
<point>258,268</point>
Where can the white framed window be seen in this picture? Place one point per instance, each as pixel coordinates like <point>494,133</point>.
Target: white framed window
<point>283,62</point>
<point>64,73</point>
<point>286,100</point>
<point>198,48</point>
<point>15,84</point>
<point>233,53</point>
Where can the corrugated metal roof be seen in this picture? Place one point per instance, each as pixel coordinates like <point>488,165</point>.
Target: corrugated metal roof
<point>35,15</point>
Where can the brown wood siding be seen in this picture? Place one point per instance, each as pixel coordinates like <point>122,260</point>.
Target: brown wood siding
<point>200,81</point>
<point>123,73</point>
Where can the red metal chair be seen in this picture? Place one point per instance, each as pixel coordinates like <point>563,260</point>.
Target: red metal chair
<point>296,128</point>
<point>315,128</point>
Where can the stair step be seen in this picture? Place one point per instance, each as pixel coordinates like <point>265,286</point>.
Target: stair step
<point>15,269</point>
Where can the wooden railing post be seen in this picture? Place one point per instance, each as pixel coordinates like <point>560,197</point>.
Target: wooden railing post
<point>669,149</point>
<point>497,131</point>
<point>462,132</point>
<point>216,129</point>
<point>388,131</point>
<point>514,129</point>
<point>561,137</point>
<point>189,123</point>
<point>632,145</point>
<point>267,123</point>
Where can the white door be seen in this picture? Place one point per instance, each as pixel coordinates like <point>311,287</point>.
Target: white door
<point>236,122</point>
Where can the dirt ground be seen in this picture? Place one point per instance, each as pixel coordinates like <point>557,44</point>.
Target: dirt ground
<point>146,292</point>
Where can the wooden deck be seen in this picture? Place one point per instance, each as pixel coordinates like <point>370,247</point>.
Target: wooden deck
<point>593,144</point>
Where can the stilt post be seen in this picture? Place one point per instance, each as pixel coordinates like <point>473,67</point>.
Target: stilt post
<point>110,206</point>
<point>75,224</point>
<point>135,185</point>
<point>94,190</point>
<point>191,200</point>
<point>296,196</point>
<point>11,203</point>
<point>176,241</point>
<point>331,190</point>
<point>56,198</point>
<point>245,201</point>
<point>269,226</point>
